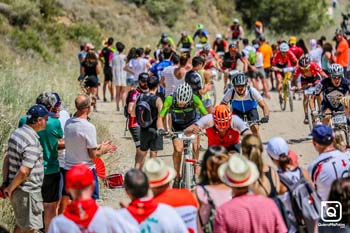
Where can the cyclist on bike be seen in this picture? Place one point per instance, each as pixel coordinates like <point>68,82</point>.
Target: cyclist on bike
<point>282,59</point>
<point>186,43</point>
<point>222,128</point>
<point>220,45</point>
<point>202,34</point>
<point>333,89</point>
<point>236,31</point>
<point>310,75</point>
<point>230,61</point>
<point>166,40</point>
<point>184,108</point>
<point>210,57</point>
<point>244,100</point>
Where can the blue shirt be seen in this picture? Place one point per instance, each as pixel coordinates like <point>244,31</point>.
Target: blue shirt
<point>204,33</point>
<point>158,68</point>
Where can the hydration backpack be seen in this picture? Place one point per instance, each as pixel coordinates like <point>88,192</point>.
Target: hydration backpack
<point>126,113</point>
<point>209,226</point>
<point>252,57</point>
<point>144,116</point>
<point>305,202</point>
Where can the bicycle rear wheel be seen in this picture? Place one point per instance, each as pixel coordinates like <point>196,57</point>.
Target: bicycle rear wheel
<point>290,98</point>
<point>283,99</point>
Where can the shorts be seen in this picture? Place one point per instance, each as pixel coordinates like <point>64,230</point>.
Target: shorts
<point>260,72</point>
<point>207,103</point>
<point>51,187</point>
<point>96,193</point>
<point>150,140</point>
<point>135,134</point>
<point>267,72</point>
<point>107,71</point>
<point>91,81</point>
<point>310,80</point>
<point>181,127</point>
<point>28,209</point>
<point>251,115</point>
<point>251,74</point>
<point>131,82</point>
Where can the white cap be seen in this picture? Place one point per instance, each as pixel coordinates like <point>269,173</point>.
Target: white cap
<point>276,147</point>
<point>235,20</point>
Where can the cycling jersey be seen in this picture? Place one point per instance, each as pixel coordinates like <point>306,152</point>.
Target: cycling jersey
<point>203,36</point>
<point>157,70</point>
<point>282,62</point>
<point>220,46</point>
<point>235,29</point>
<point>132,98</point>
<point>297,51</point>
<point>328,167</point>
<point>332,94</point>
<point>244,103</point>
<point>232,135</point>
<point>230,62</point>
<point>208,58</point>
<point>314,69</point>
<point>106,55</point>
<point>183,117</point>
<point>186,42</point>
<point>170,41</point>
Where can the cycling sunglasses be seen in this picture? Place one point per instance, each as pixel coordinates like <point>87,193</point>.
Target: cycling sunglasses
<point>336,77</point>
<point>305,68</point>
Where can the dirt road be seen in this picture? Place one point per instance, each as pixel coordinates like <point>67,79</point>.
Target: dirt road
<point>286,124</point>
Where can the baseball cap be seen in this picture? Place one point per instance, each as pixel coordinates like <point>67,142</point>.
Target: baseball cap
<point>322,134</point>
<point>276,147</point>
<point>37,111</point>
<point>143,77</point>
<point>79,177</point>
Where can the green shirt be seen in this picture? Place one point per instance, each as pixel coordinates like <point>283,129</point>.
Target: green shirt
<point>168,104</point>
<point>49,141</point>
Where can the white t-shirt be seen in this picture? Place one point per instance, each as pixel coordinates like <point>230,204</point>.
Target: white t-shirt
<point>237,123</point>
<point>259,60</point>
<point>171,82</point>
<point>138,65</point>
<point>80,135</point>
<point>163,220</point>
<point>328,167</point>
<point>105,220</point>
<point>118,63</point>
<point>64,117</point>
<point>316,55</point>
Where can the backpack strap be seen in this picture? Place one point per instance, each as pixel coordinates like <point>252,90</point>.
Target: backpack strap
<point>210,201</point>
<point>316,167</point>
<point>232,95</point>
<point>286,181</point>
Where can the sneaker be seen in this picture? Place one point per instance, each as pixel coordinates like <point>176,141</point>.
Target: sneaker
<point>306,120</point>
<point>176,183</point>
<point>273,89</point>
<point>104,99</point>
<point>118,109</point>
<point>97,97</point>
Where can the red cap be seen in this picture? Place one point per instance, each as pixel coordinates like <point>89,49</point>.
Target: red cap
<point>79,177</point>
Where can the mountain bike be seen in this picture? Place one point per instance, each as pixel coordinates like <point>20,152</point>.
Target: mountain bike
<point>309,92</point>
<point>188,162</point>
<point>338,122</point>
<point>286,94</point>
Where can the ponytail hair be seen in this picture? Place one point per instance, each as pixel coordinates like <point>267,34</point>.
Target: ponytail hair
<point>252,148</point>
<point>284,161</point>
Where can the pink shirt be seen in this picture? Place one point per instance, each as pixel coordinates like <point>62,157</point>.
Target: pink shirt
<point>249,213</point>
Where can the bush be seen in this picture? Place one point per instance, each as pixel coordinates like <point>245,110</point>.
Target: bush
<point>167,10</point>
<point>49,8</point>
<point>83,32</point>
<point>25,12</point>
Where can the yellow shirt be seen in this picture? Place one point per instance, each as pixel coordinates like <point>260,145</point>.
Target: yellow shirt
<point>266,51</point>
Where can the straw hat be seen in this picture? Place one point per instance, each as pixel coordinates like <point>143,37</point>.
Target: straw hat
<point>238,172</point>
<point>158,173</point>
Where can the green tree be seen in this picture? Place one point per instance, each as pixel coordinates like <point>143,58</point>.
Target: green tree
<point>284,16</point>
<point>166,10</point>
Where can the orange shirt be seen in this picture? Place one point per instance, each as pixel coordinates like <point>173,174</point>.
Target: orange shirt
<point>266,51</point>
<point>342,51</point>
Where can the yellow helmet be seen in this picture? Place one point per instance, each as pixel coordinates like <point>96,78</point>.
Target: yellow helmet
<point>292,40</point>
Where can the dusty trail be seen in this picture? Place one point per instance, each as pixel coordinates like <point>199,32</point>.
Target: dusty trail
<point>285,124</point>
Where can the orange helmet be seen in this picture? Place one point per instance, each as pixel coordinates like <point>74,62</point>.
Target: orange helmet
<point>258,23</point>
<point>222,116</point>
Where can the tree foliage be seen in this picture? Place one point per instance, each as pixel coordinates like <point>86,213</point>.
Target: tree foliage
<point>281,16</point>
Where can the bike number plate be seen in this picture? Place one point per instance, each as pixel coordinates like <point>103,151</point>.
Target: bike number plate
<point>341,119</point>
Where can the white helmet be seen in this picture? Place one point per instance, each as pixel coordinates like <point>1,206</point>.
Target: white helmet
<point>235,20</point>
<point>206,46</point>
<point>218,36</point>
<point>183,93</point>
<point>336,70</point>
<point>284,47</point>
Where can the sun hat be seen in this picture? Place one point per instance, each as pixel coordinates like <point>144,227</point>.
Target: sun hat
<point>158,173</point>
<point>276,147</point>
<point>79,177</point>
<point>238,172</point>
<point>322,134</point>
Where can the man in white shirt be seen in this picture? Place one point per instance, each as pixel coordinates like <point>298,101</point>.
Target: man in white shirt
<point>331,163</point>
<point>145,212</point>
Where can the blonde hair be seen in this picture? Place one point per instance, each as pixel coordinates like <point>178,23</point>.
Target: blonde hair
<point>213,164</point>
<point>345,101</point>
<point>252,148</point>
<point>339,140</point>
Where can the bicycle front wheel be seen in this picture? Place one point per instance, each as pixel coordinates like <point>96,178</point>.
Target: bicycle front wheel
<point>290,99</point>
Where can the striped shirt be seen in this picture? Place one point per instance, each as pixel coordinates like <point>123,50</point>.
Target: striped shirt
<point>24,149</point>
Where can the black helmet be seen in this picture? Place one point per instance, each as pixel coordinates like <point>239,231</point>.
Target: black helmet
<point>194,80</point>
<point>304,60</point>
<point>239,79</point>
